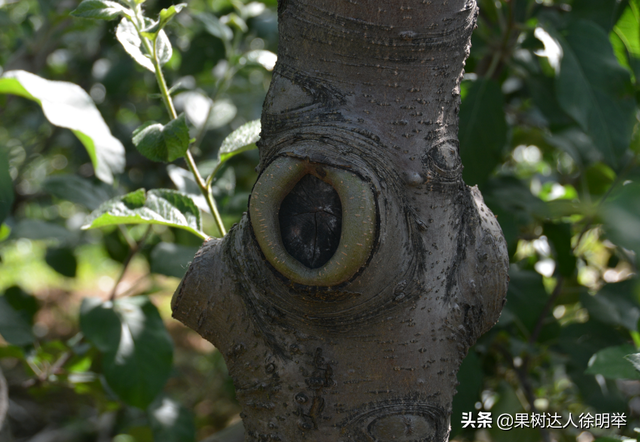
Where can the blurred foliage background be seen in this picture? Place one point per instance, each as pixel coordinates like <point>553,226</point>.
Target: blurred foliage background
<point>549,132</point>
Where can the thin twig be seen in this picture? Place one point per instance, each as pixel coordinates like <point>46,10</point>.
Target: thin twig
<point>545,311</point>
<point>522,373</point>
<point>132,252</point>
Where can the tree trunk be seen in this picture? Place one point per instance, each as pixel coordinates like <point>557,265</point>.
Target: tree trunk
<point>346,299</point>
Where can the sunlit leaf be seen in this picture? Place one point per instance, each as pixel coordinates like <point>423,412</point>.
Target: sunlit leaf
<point>164,17</point>
<point>222,112</point>
<point>163,143</point>
<point>200,109</point>
<point>634,359</point>
<point>240,140</point>
<point>137,349</point>
<point>611,363</point>
<point>158,206</point>
<point>5,231</point>
<point>6,186</point>
<point>68,105</point>
<point>185,183</point>
<point>627,30</point>
<point>252,9</point>
<point>237,21</point>
<point>483,130</point>
<point>171,422</point>
<point>101,9</point>
<point>266,59</point>
<point>127,35</point>
<point>163,48</point>
<point>214,27</point>
<point>594,89</point>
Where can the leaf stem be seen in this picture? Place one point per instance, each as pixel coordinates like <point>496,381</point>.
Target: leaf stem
<point>166,97</point>
<point>206,191</point>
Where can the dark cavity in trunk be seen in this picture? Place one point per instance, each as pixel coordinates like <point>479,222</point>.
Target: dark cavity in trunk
<point>311,221</point>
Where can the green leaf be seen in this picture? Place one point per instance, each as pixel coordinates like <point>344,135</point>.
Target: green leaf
<point>163,48</point>
<point>171,422</point>
<point>100,324</point>
<point>599,178</point>
<point>13,327</point>
<point>559,235</point>
<point>252,9</point>
<point>240,140</point>
<point>164,17</point>
<point>627,30</point>
<point>25,304</point>
<point>163,143</point>
<point>483,130</point>
<point>512,201</point>
<point>615,304</point>
<point>167,14</point>
<point>37,229</point>
<point>526,299</point>
<point>611,363</point>
<point>171,259</point>
<point>542,92</point>
<point>101,9</point>
<point>237,21</point>
<point>622,216</point>
<point>62,260</point>
<point>5,231</point>
<point>266,59</point>
<point>577,144</point>
<point>137,349</point>
<point>214,27</point>
<point>201,110</point>
<point>594,89</point>
<point>127,35</point>
<point>634,359</point>
<point>78,190</point>
<point>603,12</point>
<point>6,186</point>
<point>158,206</point>
<point>68,105</point>
<point>468,392</point>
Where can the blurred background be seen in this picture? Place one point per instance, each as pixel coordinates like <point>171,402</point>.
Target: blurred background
<point>549,133</point>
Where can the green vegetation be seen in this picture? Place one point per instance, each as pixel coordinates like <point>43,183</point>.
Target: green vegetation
<point>96,97</point>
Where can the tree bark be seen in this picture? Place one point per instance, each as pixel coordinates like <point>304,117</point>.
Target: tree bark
<point>365,346</point>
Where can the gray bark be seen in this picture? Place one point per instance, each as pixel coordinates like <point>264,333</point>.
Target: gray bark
<point>5,433</point>
<point>365,97</point>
